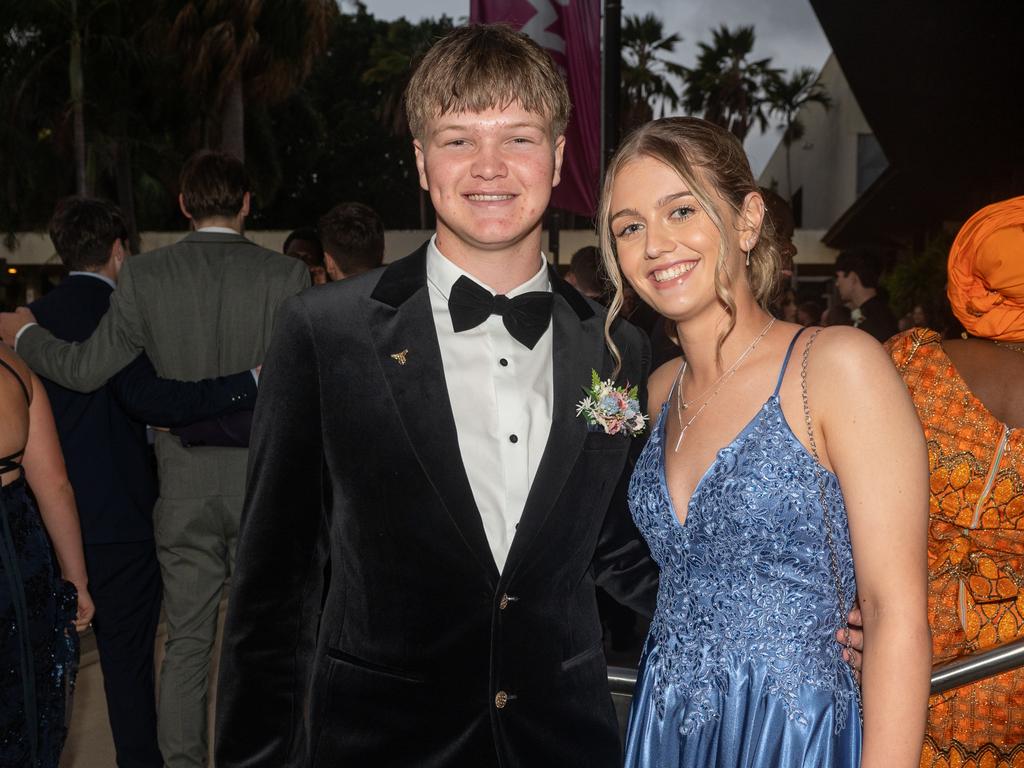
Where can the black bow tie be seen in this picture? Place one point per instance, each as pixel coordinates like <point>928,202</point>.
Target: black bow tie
<point>526,316</point>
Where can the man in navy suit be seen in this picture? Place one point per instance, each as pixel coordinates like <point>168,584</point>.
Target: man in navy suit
<point>103,438</point>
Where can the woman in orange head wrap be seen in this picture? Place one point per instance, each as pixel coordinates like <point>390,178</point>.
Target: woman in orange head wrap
<point>971,404</point>
<point>986,272</point>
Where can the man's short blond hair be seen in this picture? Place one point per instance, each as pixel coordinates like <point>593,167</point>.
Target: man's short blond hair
<point>481,67</point>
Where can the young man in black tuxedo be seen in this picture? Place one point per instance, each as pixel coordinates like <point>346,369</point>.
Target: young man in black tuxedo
<point>472,512</point>
<point>857,277</point>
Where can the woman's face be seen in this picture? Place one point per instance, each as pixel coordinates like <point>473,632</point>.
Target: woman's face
<point>918,317</point>
<point>667,245</point>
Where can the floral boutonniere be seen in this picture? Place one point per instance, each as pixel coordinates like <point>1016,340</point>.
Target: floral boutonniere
<point>611,409</point>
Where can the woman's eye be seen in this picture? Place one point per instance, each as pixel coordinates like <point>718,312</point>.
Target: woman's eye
<point>628,230</point>
<point>683,212</point>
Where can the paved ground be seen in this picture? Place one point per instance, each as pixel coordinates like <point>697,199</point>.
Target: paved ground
<point>89,743</point>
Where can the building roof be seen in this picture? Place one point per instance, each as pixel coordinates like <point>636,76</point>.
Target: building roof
<point>940,86</point>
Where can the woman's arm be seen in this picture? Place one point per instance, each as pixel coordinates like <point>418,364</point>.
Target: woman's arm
<point>46,475</point>
<point>874,442</point>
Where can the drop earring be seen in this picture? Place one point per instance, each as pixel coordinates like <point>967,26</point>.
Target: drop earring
<point>748,258</point>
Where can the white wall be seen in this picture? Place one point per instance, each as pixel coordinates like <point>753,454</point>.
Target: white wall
<point>810,249</point>
<point>824,162</point>
<point>36,248</point>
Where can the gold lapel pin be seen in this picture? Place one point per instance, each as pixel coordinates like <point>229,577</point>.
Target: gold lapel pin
<point>401,357</point>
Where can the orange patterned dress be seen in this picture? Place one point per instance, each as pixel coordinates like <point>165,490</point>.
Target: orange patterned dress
<point>975,556</point>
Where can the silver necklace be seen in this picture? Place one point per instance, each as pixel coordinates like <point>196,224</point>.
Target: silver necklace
<point>714,389</point>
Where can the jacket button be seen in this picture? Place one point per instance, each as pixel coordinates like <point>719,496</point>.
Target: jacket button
<point>500,699</point>
<point>503,603</point>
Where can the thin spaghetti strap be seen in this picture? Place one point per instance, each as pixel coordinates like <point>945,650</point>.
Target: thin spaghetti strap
<point>785,362</point>
<point>24,387</point>
<point>675,384</point>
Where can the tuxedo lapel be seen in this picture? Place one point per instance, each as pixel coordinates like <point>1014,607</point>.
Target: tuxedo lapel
<point>402,326</point>
<point>578,347</point>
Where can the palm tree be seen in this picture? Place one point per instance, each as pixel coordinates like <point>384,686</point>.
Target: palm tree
<point>727,87</point>
<point>256,49</point>
<point>49,48</point>
<point>392,57</point>
<point>647,76</point>
<point>787,97</point>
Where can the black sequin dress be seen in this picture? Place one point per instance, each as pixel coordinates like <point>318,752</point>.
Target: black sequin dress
<point>38,642</point>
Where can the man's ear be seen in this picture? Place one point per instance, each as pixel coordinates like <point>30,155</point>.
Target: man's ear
<point>118,252</point>
<point>333,270</point>
<point>559,153</point>
<point>246,199</point>
<point>115,259</point>
<point>181,205</point>
<point>421,165</point>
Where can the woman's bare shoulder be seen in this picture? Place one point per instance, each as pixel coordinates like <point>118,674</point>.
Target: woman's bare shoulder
<point>847,365</point>
<point>845,347</point>
<point>22,370</point>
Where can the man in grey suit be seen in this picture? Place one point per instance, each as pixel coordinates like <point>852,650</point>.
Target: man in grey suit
<point>202,307</point>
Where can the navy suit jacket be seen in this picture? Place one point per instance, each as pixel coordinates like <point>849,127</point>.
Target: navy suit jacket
<point>103,433</point>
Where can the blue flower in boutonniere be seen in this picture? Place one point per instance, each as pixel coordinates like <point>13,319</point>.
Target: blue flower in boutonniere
<point>611,409</point>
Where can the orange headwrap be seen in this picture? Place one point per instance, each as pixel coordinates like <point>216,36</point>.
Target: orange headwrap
<point>986,272</point>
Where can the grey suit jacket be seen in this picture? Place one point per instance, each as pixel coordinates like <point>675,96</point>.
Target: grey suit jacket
<point>202,307</point>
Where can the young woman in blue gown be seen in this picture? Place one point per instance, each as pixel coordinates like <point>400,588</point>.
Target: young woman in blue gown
<point>785,473</point>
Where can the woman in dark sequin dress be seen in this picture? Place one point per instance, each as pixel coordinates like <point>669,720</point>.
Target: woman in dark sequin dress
<point>39,610</point>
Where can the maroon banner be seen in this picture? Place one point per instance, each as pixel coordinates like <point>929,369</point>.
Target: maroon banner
<point>570,30</point>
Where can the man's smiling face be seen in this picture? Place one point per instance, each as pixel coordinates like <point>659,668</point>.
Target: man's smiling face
<point>489,175</point>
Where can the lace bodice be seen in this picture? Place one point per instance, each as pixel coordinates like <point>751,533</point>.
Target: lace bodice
<point>746,578</point>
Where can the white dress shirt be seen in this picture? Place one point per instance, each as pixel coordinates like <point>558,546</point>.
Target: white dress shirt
<point>219,230</point>
<point>97,275</point>
<point>501,395</point>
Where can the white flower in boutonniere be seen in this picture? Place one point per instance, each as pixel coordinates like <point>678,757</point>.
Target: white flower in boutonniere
<point>611,409</point>
<point>857,316</point>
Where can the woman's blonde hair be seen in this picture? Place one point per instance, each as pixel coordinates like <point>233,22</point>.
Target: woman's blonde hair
<point>706,157</point>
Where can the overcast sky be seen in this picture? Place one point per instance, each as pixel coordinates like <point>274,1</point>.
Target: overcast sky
<point>787,31</point>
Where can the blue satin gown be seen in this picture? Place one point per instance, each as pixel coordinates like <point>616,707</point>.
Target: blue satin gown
<point>741,668</point>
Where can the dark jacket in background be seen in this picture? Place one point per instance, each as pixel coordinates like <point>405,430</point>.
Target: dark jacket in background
<point>103,434</point>
<point>878,320</point>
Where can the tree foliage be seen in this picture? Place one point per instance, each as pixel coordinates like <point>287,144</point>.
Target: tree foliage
<point>317,101</point>
<point>322,105</point>
<point>649,78</point>
<point>727,86</point>
<point>242,52</point>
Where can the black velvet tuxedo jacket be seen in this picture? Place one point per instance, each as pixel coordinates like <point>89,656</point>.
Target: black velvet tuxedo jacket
<point>425,655</point>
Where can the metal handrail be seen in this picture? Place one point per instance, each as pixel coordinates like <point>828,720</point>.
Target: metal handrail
<point>622,680</point>
<point>945,677</point>
<point>977,666</point>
